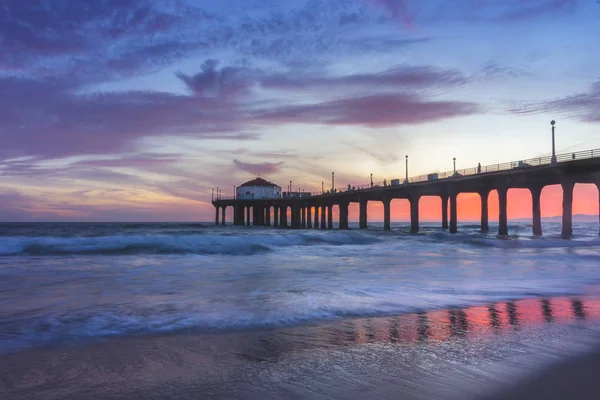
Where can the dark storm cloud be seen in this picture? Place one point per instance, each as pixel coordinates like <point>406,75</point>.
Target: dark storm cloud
<point>583,106</point>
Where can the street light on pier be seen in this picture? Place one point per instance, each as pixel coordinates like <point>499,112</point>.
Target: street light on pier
<point>371,180</point>
<point>553,159</point>
<point>454,159</point>
<point>332,181</point>
<point>234,194</point>
<point>406,179</point>
<point>217,193</point>
<point>322,187</point>
<point>212,194</point>
<point>290,189</point>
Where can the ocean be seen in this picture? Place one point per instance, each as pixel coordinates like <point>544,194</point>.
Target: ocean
<point>71,286</point>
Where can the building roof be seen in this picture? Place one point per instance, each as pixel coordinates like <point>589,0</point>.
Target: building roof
<point>259,182</point>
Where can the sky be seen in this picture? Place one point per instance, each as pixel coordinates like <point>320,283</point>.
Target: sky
<point>135,110</point>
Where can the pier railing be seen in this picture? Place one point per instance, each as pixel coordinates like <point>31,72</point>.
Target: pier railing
<point>531,162</point>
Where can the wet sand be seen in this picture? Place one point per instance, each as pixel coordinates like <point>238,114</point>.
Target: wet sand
<point>470,353</point>
<point>574,378</point>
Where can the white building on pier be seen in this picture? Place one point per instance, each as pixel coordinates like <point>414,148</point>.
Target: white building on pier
<point>258,188</point>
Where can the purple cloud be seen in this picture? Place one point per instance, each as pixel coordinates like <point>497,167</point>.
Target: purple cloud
<point>402,77</point>
<point>262,169</point>
<point>411,12</point>
<point>584,106</point>
<point>35,35</point>
<point>375,111</point>
<point>211,82</point>
<point>46,118</point>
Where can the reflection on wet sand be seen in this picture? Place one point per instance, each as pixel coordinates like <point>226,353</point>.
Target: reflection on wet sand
<point>473,323</point>
<point>461,323</point>
<point>138,363</point>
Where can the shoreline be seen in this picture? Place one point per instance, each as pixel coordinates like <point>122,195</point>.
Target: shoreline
<point>450,351</point>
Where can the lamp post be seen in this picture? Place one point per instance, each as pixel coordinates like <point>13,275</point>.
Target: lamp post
<point>454,159</point>
<point>406,169</point>
<point>322,187</point>
<point>290,187</point>
<point>553,159</point>
<point>234,194</point>
<point>332,181</point>
<point>217,193</point>
<point>212,194</point>
<point>371,180</point>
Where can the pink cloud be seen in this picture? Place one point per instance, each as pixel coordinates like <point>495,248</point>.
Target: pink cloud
<point>374,110</point>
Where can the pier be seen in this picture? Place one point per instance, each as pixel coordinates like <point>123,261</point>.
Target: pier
<point>314,211</point>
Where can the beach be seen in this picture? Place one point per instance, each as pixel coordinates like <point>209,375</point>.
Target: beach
<point>176,311</point>
<point>459,353</point>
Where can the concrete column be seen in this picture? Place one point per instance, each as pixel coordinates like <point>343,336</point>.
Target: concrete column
<point>276,216</point>
<point>283,220</point>
<point>414,214</point>
<point>317,217</point>
<point>295,217</point>
<point>323,217</point>
<point>255,216</point>
<point>309,217</point>
<point>485,225</point>
<point>223,215</point>
<point>386,214</point>
<point>567,217</point>
<point>503,213</point>
<point>217,215</point>
<point>330,216</point>
<point>453,213</point>
<point>536,194</point>
<point>363,214</point>
<point>303,216</point>
<point>268,215</point>
<point>248,215</point>
<point>238,214</point>
<point>444,211</point>
<point>344,216</point>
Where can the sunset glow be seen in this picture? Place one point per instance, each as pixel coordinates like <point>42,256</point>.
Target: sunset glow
<point>138,110</point>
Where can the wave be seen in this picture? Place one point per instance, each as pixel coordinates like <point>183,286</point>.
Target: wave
<point>514,243</point>
<point>232,244</point>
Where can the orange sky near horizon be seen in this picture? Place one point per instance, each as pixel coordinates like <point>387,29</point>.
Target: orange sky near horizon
<point>586,201</point>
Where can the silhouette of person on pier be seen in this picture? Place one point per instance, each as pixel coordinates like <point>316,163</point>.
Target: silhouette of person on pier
<point>479,168</point>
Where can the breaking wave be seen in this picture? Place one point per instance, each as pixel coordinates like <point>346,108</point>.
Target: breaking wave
<point>174,244</point>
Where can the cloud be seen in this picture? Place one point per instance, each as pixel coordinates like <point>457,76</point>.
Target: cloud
<point>376,110</point>
<point>211,82</point>
<point>583,106</point>
<point>412,12</point>
<point>400,77</point>
<point>81,38</point>
<point>261,169</point>
<point>46,118</point>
